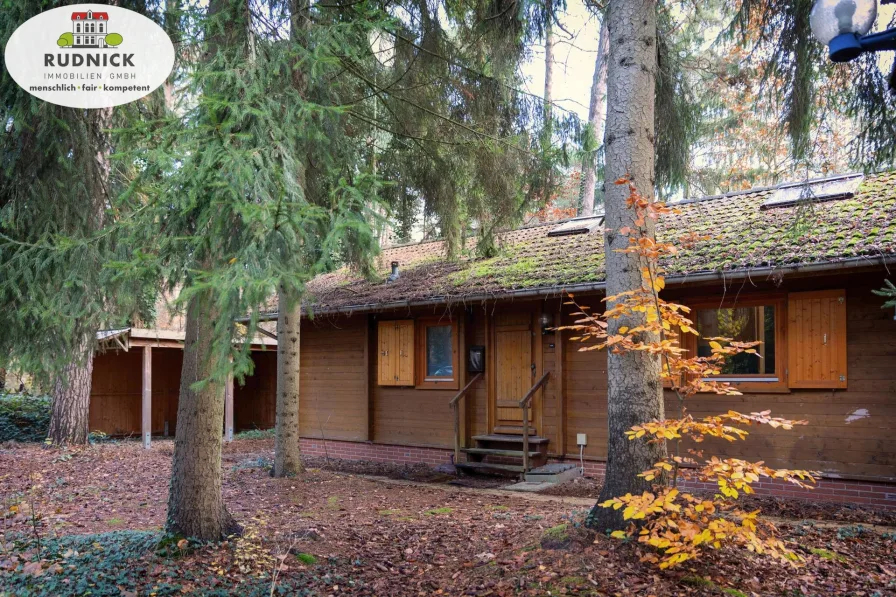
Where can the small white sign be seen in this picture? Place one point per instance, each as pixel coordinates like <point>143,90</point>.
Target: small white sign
<point>89,56</point>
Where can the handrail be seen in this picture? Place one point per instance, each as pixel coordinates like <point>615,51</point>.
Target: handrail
<point>464,391</point>
<point>524,404</point>
<point>534,389</point>
<point>454,404</point>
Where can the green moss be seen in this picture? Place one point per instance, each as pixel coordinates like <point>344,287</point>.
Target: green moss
<point>389,512</point>
<point>733,592</point>
<point>333,502</point>
<point>435,511</point>
<point>557,533</point>
<point>115,522</point>
<point>498,508</point>
<point>828,554</point>
<point>697,581</point>
<point>306,558</point>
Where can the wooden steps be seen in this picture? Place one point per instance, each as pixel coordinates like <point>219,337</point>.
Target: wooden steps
<point>502,453</point>
<point>507,438</point>
<point>494,452</point>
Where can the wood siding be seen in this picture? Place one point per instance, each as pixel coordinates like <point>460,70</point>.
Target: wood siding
<point>255,401</point>
<point>849,432</point>
<point>333,380</point>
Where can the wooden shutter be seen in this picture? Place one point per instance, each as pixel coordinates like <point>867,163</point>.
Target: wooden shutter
<point>816,339</point>
<point>405,352</point>
<point>395,363</point>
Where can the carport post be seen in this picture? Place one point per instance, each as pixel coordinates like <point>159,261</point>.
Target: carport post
<point>228,409</point>
<point>146,427</point>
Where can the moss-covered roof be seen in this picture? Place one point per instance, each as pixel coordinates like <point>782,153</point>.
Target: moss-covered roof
<point>744,237</point>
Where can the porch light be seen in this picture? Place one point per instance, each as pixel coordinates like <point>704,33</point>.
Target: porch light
<point>842,25</point>
<point>545,321</point>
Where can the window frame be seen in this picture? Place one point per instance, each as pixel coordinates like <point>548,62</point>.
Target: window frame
<point>750,382</point>
<point>424,382</point>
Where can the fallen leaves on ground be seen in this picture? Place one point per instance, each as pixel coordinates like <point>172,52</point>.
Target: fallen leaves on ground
<point>334,533</point>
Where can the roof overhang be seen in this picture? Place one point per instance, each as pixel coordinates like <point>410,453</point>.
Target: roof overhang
<point>854,263</point>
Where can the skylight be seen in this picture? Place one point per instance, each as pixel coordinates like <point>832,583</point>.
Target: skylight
<point>580,225</point>
<point>828,189</point>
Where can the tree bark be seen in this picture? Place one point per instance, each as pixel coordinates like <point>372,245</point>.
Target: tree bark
<point>635,392</point>
<point>287,452</point>
<point>70,414</point>
<point>548,62</point>
<point>597,111</point>
<point>195,503</point>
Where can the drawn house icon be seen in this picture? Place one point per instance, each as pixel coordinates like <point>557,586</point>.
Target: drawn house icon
<point>90,29</point>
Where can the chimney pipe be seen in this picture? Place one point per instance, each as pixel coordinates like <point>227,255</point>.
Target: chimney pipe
<point>395,273</point>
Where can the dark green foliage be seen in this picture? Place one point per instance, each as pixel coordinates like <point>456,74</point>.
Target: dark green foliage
<point>678,111</point>
<point>796,69</point>
<point>888,292</point>
<point>24,418</point>
<point>55,227</point>
<point>139,562</point>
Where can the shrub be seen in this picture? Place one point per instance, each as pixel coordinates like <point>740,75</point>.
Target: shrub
<point>24,418</point>
<point>256,434</point>
<point>65,40</point>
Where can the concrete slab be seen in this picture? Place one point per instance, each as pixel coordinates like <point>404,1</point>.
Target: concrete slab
<point>554,473</point>
<point>528,486</point>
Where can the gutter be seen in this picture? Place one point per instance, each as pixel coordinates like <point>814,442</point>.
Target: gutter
<point>548,291</point>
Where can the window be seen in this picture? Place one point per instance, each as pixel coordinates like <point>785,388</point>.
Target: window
<point>437,347</point>
<point>101,27</point>
<point>743,324</point>
<point>77,27</point>
<point>755,319</point>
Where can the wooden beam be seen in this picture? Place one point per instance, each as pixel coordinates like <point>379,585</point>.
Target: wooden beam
<point>146,426</point>
<point>228,409</point>
<point>560,381</point>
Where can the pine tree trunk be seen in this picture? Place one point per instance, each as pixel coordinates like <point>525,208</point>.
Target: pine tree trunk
<point>287,453</point>
<point>597,111</point>
<point>635,392</point>
<point>195,503</point>
<point>548,62</point>
<point>70,416</point>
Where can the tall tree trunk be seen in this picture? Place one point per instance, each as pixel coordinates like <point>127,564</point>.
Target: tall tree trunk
<point>635,392</point>
<point>195,503</point>
<point>287,453</point>
<point>548,61</point>
<point>287,449</point>
<point>70,416</point>
<point>597,111</point>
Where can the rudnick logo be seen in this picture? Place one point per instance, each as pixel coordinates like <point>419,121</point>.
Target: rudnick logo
<point>89,56</point>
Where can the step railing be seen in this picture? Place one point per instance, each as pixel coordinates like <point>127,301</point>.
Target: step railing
<point>455,404</point>
<point>524,404</point>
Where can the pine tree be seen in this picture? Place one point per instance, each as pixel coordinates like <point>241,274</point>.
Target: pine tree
<point>56,233</point>
<point>634,389</point>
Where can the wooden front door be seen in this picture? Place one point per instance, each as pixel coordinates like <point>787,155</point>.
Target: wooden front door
<point>514,371</point>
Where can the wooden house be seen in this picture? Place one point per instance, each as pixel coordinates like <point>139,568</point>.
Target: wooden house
<point>440,359</point>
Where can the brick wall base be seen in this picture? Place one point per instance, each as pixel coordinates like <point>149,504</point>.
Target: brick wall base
<point>878,495</point>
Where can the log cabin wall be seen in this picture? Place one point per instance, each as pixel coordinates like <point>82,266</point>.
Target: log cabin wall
<point>333,400</point>
<point>406,415</point>
<point>255,401</point>
<point>849,433</point>
<point>116,391</point>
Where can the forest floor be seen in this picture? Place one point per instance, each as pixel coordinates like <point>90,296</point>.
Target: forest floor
<point>89,521</point>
